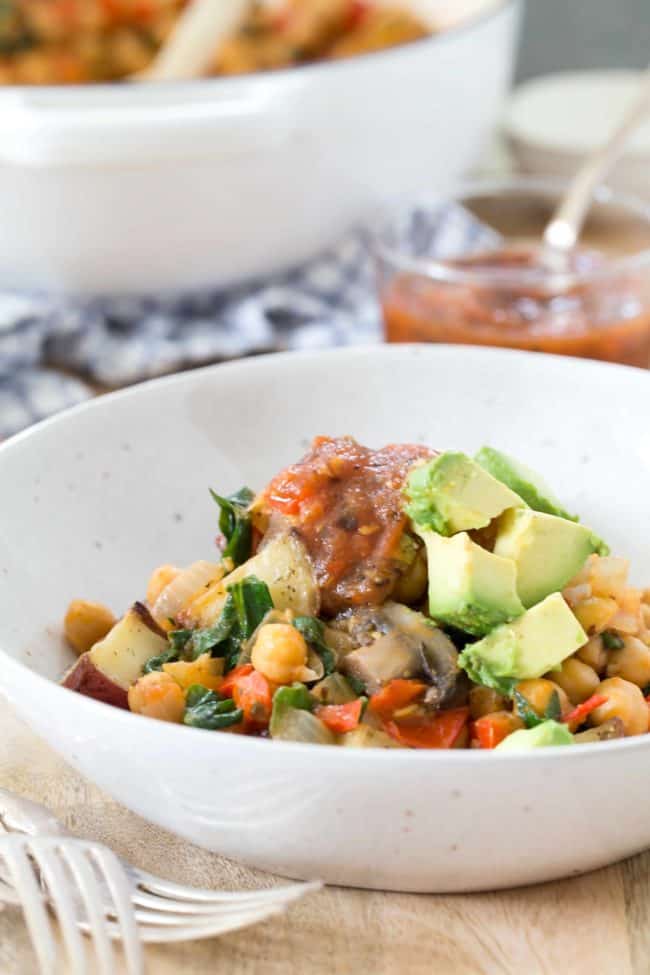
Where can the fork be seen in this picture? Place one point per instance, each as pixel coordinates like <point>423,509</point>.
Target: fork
<point>164,911</point>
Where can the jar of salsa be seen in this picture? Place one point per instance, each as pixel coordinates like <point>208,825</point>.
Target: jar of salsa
<point>504,294</point>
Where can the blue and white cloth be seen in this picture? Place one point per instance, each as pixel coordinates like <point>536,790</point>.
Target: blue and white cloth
<point>54,351</point>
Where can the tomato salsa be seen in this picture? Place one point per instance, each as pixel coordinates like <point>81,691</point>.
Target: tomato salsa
<point>604,317</point>
<point>345,502</point>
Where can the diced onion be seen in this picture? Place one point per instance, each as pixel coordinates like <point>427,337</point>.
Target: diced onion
<point>181,589</point>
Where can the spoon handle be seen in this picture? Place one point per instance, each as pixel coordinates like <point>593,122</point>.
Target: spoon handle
<point>563,231</point>
<point>195,39</point>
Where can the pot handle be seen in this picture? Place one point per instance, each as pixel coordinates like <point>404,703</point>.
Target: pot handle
<point>145,123</point>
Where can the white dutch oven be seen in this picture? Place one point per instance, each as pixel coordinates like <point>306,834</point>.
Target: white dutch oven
<point>143,188</point>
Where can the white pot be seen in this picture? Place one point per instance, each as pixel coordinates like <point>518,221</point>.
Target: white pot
<point>136,188</point>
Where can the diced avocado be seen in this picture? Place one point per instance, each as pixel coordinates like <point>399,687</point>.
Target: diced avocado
<point>545,735</point>
<point>528,647</point>
<point>547,551</point>
<point>469,587</point>
<point>523,481</point>
<point>452,493</point>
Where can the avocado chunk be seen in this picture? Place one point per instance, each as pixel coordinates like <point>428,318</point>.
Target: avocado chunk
<point>451,493</point>
<point>547,551</point>
<point>528,647</point>
<point>469,587</point>
<point>545,735</point>
<point>523,481</point>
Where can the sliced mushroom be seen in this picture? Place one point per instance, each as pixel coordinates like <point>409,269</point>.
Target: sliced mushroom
<point>396,642</point>
<point>613,728</point>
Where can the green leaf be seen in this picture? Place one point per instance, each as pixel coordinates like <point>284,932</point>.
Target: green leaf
<point>611,640</point>
<point>525,712</point>
<point>356,684</point>
<point>235,524</point>
<point>214,638</point>
<point>246,605</point>
<point>553,708</point>
<point>314,633</point>
<point>205,709</point>
<point>295,697</point>
<point>156,663</point>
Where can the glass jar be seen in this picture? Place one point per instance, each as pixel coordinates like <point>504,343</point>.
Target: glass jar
<point>598,307</point>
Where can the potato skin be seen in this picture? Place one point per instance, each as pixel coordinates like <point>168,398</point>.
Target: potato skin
<point>86,678</point>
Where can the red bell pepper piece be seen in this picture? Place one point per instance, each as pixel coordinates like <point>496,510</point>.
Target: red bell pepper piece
<point>441,730</point>
<point>397,694</point>
<point>254,695</point>
<point>228,684</point>
<point>580,712</point>
<point>340,718</point>
<point>490,730</point>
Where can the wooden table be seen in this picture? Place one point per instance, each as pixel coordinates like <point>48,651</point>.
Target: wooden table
<point>593,925</point>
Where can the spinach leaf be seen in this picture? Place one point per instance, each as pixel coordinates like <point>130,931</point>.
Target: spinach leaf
<point>156,663</point>
<point>235,524</point>
<point>553,708</point>
<point>530,718</point>
<point>246,605</point>
<point>611,640</point>
<point>524,710</point>
<point>314,633</point>
<point>295,696</point>
<point>205,709</point>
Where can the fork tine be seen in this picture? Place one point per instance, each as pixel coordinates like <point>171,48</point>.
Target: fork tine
<point>202,909</point>
<point>86,881</point>
<point>47,858</point>
<point>31,898</point>
<point>166,888</point>
<point>118,885</point>
<point>208,928</point>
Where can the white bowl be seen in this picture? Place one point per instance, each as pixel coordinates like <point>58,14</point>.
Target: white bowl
<point>138,188</point>
<point>553,123</point>
<point>93,499</point>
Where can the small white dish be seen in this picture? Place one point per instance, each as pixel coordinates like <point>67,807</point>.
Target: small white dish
<point>94,498</point>
<point>552,123</point>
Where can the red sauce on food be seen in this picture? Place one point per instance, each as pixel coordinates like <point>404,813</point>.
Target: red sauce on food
<point>602,318</point>
<point>345,502</point>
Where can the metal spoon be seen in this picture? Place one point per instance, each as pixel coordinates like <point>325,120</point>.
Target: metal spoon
<point>562,233</point>
<point>194,40</point>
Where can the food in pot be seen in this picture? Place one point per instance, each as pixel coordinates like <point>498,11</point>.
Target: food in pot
<point>75,41</point>
<point>393,597</point>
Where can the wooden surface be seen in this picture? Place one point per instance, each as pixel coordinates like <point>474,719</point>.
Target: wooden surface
<point>596,925</point>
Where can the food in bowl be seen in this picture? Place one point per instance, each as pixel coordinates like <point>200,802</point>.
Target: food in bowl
<point>75,41</point>
<point>391,598</point>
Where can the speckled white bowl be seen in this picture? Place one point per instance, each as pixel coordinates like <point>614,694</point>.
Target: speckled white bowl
<point>94,498</point>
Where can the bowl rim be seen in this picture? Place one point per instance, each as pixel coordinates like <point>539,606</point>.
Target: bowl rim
<point>440,271</point>
<point>492,10</point>
<point>24,675</point>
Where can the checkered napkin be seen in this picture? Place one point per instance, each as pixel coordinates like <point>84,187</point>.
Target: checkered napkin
<point>51,350</point>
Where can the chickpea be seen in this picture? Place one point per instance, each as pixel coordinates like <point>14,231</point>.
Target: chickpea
<point>157,695</point>
<point>411,586</point>
<point>577,679</point>
<point>624,701</point>
<point>160,579</point>
<point>483,700</point>
<point>594,654</point>
<point>85,624</point>
<point>538,693</point>
<point>631,662</point>
<point>280,653</point>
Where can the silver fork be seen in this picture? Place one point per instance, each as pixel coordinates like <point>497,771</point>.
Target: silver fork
<point>66,873</point>
<point>164,911</point>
